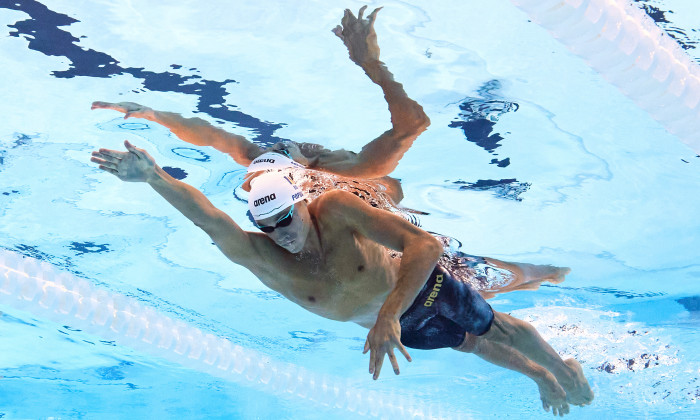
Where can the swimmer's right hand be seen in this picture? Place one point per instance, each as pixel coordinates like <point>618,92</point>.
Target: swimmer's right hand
<point>129,109</point>
<point>135,165</point>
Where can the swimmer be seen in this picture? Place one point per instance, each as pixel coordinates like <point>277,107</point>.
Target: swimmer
<point>365,174</point>
<point>375,161</point>
<point>330,257</point>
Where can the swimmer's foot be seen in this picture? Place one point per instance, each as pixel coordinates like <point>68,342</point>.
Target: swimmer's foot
<point>578,391</point>
<point>557,274</point>
<point>550,273</point>
<point>552,395</point>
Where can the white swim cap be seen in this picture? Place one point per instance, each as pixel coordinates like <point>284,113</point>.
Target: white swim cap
<point>272,192</point>
<point>272,161</point>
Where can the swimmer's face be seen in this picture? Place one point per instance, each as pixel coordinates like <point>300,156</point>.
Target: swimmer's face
<point>291,150</point>
<point>292,236</point>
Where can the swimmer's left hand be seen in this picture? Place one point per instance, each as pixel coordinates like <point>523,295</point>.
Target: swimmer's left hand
<point>381,340</point>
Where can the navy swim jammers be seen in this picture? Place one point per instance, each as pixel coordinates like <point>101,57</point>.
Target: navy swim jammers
<point>443,312</point>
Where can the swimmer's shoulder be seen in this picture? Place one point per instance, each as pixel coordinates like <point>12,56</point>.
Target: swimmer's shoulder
<point>337,204</point>
<point>337,210</point>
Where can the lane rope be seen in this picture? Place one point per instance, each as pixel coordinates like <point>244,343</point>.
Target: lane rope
<point>42,290</point>
<point>627,48</point>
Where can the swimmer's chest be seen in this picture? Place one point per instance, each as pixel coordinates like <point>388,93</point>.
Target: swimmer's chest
<point>352,273</point>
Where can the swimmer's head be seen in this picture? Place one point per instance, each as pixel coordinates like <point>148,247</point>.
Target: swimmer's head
<point>277,206</point>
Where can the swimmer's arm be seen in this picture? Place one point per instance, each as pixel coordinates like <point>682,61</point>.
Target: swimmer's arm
<point>136,165</point>
<point>379,157</point>
<point>192,130</point>
<point>233,241</point>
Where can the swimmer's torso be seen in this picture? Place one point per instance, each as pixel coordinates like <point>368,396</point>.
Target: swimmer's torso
<point>349,282</point>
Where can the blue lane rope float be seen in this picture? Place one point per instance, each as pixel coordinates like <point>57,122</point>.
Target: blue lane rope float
<point>39,288</point>
<point>626,47</point>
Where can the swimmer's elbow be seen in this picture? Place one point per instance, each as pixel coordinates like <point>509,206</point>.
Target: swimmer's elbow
<point>423,122</point>
<point>411,128</point>
<point>431,247</point>
<point>412,123</point>
<point>436,246</point>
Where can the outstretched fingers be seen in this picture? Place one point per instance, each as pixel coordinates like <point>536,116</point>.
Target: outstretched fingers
<point>104,164</point>
<point>362,11</point>
<point>130,109</point>
<point>348,18</point>
<point>108,105</point>
<point>107,155</point>
<point>112,171</point>
<point>372,355</point>
<point>377,359</point>
<point>107,160</point>
<point>100,105</point>
<point>373,16</point>
<point>394,362</point>
<point>403,351</point>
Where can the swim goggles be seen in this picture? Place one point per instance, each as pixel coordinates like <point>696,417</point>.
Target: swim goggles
<point>285,221</point>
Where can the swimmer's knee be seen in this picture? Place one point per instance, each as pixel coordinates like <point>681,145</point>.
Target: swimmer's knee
<point>503,328</point>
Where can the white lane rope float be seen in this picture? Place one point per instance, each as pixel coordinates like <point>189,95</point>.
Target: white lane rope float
<point>42,290</point>
<point>626,47</point>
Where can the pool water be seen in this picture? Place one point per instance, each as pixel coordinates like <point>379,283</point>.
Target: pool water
<point>531,156</point>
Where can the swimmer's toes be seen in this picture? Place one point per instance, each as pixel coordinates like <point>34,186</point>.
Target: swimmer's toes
<point>560,275</point>
<point>552,394</point>
<point>554,274</point>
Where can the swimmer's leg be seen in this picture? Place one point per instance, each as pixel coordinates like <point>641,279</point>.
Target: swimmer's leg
<point>551,392</point>
<point>528,273</point>
<point>524,338</point>
<point>525,276</point>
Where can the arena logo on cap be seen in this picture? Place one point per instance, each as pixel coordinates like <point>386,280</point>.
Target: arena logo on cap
<point>264,161</point>
<point>264,200</point>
